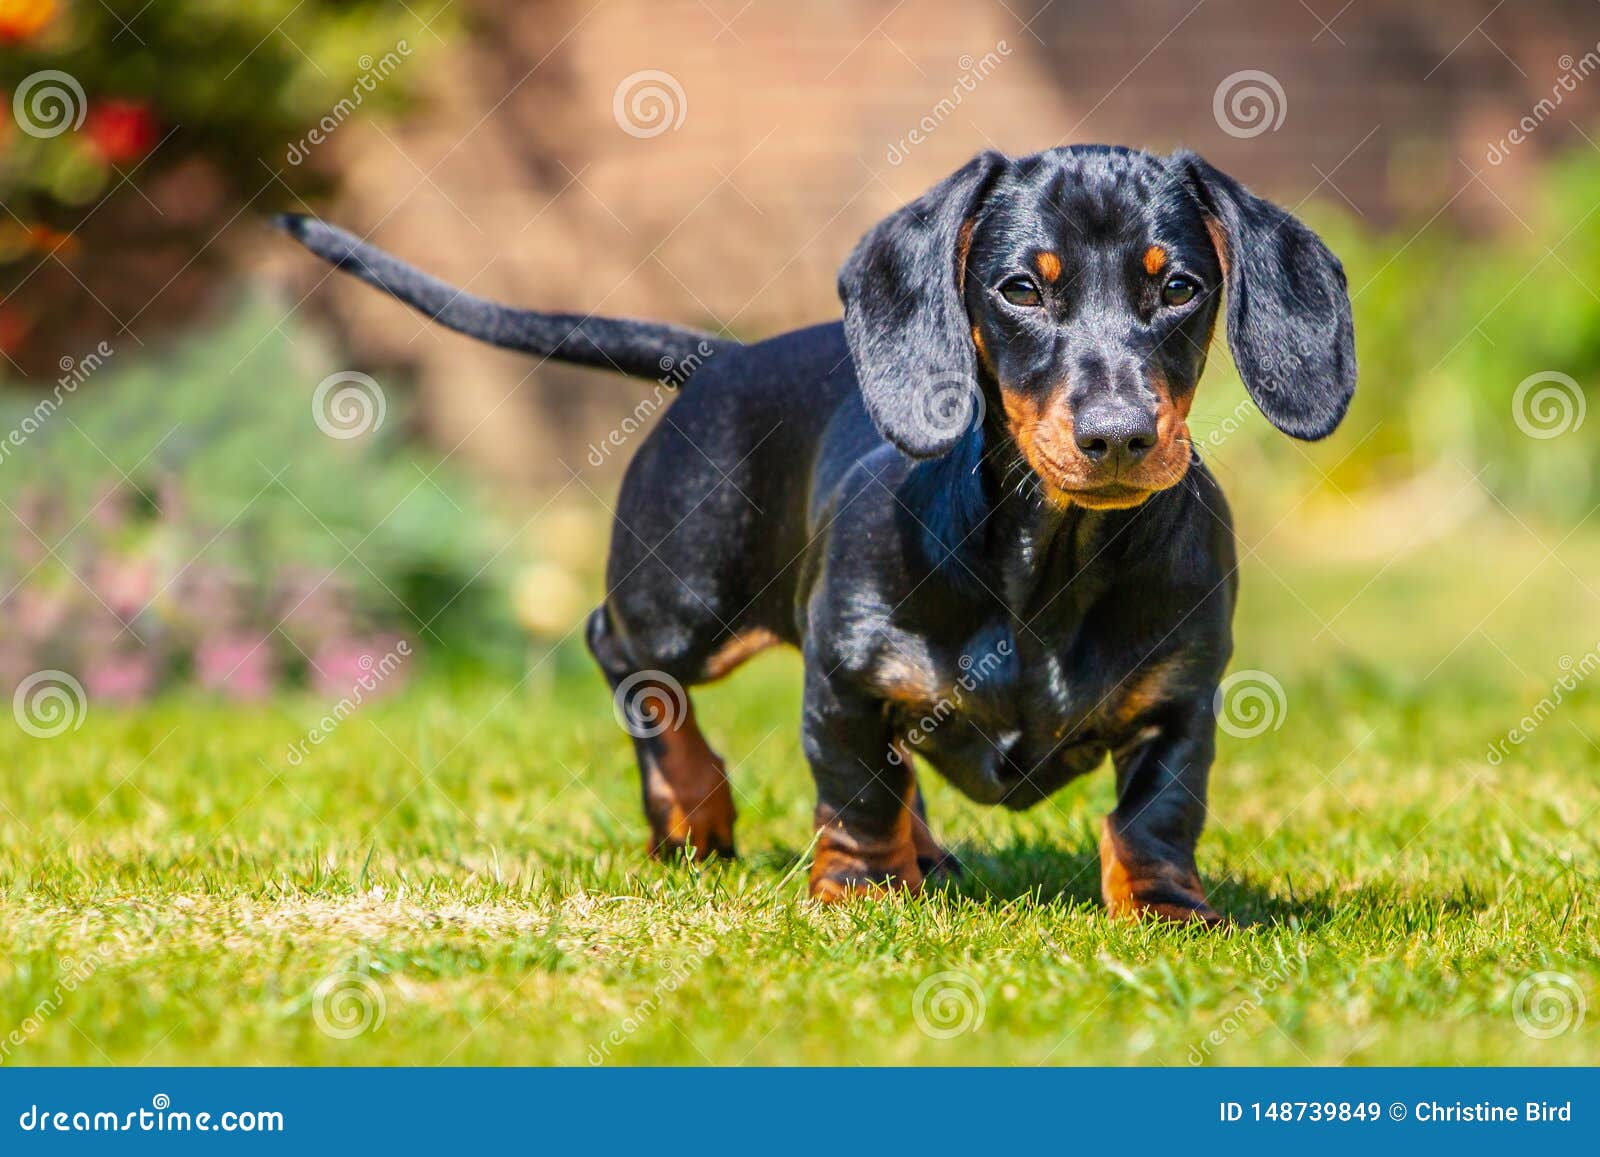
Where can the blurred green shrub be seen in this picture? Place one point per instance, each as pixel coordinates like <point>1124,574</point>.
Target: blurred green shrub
<point>239,82</point>
<point>216,508</point>
<point>103,96</point>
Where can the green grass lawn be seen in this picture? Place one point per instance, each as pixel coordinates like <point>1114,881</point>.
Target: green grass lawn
<point>467,861</point>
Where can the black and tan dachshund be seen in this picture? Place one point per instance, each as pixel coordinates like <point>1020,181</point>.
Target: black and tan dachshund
<point>974,505</point>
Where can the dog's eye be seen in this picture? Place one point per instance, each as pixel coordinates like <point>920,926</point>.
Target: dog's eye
<point>1020,291</point>
<point>1179,290</point>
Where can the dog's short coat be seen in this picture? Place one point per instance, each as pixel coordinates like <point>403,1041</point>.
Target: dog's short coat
<point>974,506</point>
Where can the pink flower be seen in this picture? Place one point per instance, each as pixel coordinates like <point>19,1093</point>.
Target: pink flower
<point>123,678</point>
<point>240,666</point>
<point>125,584</point>
<point>16,663</point>
<point>375,665</point>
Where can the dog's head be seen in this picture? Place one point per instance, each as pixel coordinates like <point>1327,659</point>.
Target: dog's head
<point>1069,298</point>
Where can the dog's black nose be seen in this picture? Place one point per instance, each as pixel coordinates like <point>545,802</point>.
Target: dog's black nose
<point>1115,435</point>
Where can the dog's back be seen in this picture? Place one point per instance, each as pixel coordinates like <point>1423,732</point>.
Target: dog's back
<point>714,502</point>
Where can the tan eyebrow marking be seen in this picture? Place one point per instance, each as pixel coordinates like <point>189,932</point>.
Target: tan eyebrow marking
<point>1154,258</point>
<point>1049,265</point>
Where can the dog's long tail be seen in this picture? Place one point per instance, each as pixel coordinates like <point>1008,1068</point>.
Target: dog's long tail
<point>641,348</point>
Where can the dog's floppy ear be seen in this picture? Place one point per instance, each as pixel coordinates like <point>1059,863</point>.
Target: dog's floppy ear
<point>905,320</point>
<point>1289,321</point>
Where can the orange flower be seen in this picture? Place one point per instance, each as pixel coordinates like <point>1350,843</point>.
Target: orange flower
<point>22,19</point>
<point>48,240</point>
<point>17,239</point>
<point>13,329</point>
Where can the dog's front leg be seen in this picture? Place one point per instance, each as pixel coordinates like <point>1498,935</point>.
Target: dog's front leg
<point>865,796</point>
<point>1147,844</point>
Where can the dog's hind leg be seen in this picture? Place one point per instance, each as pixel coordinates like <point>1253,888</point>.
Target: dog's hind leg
<point>866,799</point>
<point>687,797</point>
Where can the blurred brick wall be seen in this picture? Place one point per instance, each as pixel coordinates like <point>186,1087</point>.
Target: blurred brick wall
<point>514,178</point>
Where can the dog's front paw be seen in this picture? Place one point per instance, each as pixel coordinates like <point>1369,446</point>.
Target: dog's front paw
<point>846,868</point>
<point>1179,909</point>
<point>1135,886</point>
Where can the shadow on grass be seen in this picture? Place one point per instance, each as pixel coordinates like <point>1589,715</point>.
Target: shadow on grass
<point>1049,872</point>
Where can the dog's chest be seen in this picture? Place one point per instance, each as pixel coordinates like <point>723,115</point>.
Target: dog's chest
<point>992,714</point>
